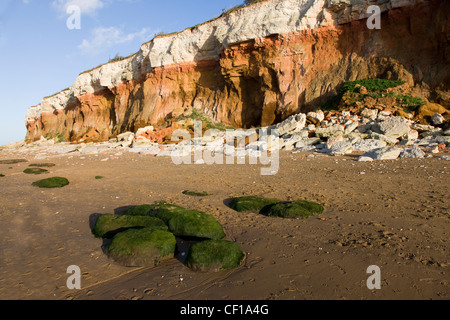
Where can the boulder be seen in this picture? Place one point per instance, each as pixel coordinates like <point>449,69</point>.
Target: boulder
<point>386,153</point>
<point>437,119</point>
<point>293,209</point>
<point>412,152</point>
<point>108,225</point>
<point>329,131</point>
<point>214,256</point>
<point>341,148</point>
<point>251,203</point>
<point>183,222</point>
<point>142,248</point>
<point>50,183</point>
<point>368,145</point>
<point>394,127</point>
<point>293,123</point>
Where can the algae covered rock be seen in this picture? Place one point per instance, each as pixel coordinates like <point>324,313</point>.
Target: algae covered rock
<point>35,171</point>
<point>183,222</point>
<point>142,210</point>
<point>214,256</point>
<point>195,193</point>
<point>55,182</point>
<point>294,209</point>
<point>108,225</point>
<point>252,203</point>
<point>142,247</point>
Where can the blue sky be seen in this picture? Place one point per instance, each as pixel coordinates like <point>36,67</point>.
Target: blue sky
<point>40,55</point>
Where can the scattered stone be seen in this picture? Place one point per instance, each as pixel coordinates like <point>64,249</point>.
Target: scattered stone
<point>293,123</point>
<point>214,256</point>
<point>365,159</point>
<point>369,113</point>
<point>142,248</point>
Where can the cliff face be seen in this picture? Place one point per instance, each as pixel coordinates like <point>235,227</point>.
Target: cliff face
<point>255,67</point>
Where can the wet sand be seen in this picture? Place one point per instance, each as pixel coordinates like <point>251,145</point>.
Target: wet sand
<point>393,214</point>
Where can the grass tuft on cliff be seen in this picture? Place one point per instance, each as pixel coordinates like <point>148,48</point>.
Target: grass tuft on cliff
<point>350,94</point>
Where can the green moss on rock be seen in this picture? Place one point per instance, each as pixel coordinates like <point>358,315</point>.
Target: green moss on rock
<point>214,256</point>
<point>108,225</point>
<point>42,165</point>
<point>252,203</point>
<point>142,210</point>
<point>188,223</point>
<point>195,194</point>
<point>55,182</point>
<point>142,248</point>
<point>294,209</point>
<point>1,175</point>
<point>35,171</point>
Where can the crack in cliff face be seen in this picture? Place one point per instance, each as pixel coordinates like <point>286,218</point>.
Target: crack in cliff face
<point>257,82</point>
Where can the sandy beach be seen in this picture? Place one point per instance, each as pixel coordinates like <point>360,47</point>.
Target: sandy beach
<point>393,214</point>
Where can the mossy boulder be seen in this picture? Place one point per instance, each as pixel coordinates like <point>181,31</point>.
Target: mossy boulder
<point>214,256</point>
<point>108,225</point>
<point>142,247</point>
<point>195,194</point>
<point>42,165</point>
<point>55,182</point>
<point>13,161</point>
<point>142,210</point>
<point>35,171</point>
<point>252,203</point>
<point>1,175</point>
<point>181,221</point>
<point>294,209</point>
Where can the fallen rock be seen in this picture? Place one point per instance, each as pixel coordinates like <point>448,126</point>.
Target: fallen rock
<point>394,127</point>
<point>368,145</point>
<point>295,122</point>
<point>437,119</point>
<point>329,131</point>
<point>412,152</point>
<point>386,153</point>
<point>341,148</point>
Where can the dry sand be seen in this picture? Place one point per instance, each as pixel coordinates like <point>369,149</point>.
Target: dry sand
<point>395,215</point>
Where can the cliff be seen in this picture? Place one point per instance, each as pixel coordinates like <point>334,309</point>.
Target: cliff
<point>255,66</point>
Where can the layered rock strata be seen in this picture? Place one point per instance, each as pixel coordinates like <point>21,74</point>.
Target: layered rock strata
<point>255,67</point>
